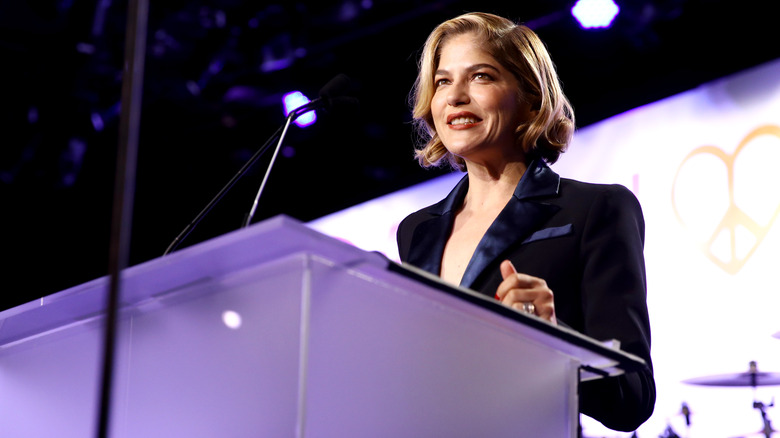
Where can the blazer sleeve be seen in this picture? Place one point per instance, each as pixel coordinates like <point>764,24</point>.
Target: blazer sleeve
<point>614,306</point>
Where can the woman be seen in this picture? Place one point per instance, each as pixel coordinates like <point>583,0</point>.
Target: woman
<point>488,97</point>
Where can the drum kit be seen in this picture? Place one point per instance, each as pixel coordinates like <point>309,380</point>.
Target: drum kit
<point>752,378</point>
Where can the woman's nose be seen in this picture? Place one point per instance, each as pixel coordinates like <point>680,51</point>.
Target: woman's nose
<point>457,94</point>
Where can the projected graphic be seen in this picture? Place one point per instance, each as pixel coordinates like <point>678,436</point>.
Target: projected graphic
<point>729,220</point>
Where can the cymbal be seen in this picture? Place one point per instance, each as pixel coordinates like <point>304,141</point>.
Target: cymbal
<point>752,378</point>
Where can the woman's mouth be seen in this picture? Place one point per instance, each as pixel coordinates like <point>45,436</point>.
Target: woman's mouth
<point>462,119</point>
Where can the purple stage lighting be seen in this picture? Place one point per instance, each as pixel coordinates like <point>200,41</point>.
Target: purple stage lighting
<point>297,99</point>
<point>595,13</point>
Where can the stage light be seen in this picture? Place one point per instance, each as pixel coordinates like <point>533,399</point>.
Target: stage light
<point>297,99</point>
<point>595,13</point>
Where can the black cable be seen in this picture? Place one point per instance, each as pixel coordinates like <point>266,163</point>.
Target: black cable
<point>124,189</point>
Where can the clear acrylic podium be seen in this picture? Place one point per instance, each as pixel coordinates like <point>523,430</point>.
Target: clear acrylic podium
<point>277,330</point>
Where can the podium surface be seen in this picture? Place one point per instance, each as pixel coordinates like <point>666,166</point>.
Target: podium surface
<point>277,330</point>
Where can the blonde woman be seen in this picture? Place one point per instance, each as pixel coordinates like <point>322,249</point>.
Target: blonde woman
<point>488,101</point>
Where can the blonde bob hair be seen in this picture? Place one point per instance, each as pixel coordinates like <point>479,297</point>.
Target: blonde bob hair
<point>546,135</point>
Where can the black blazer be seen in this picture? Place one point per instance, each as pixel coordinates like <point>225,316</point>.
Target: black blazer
<point>586,241</point>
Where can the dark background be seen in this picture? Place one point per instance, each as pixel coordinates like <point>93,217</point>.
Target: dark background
<point>214,76</point>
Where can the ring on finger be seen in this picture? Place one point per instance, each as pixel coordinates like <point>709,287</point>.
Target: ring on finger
<point>529,308</point>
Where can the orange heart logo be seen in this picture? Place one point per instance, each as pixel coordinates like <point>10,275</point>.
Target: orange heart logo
<point>715,209</point>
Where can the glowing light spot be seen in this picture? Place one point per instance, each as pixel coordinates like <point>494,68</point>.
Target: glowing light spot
<point>231,319</point>
<point>595,13</point>
<point>295,100</point>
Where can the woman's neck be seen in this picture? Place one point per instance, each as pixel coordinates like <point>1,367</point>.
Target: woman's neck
<point>492,188</point>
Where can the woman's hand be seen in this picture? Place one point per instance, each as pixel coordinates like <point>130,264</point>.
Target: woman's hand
<point>525,293</point>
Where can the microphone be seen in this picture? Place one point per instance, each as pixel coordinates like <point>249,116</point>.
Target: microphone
<point>335,96</point>
<point>338,95</point>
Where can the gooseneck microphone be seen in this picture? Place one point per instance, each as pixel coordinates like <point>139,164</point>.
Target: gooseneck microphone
<point>335,96</point>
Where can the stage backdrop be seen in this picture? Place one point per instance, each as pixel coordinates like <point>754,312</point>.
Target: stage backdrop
<point>704,165</point>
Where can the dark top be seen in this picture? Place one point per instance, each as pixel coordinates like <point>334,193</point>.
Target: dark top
<point>586,241</point>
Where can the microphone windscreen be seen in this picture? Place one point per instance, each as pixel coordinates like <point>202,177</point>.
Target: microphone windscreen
<point>341,85</point>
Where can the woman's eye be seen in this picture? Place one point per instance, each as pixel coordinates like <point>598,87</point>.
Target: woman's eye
<point>482,76</point>
<point>441,82</point>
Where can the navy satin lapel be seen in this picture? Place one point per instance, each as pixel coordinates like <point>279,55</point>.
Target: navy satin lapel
<point>430,236</point>
<point>538,180</point>
<point>518,220</point>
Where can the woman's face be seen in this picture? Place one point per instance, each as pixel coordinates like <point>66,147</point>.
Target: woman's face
<point>476,106</point>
